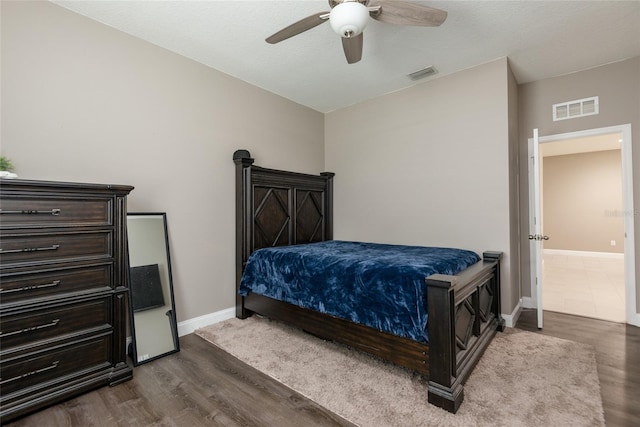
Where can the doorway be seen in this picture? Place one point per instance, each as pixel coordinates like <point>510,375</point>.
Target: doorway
<point>581,198</point>
<point>617,138</point>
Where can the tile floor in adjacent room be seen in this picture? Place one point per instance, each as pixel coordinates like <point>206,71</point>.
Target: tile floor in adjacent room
<point>591,286</point>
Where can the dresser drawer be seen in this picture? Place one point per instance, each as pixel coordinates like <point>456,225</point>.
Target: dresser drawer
<point>25,287</point>
<point>54,247</point>
<point>53,322</point>
<point>50,211</point>
<point>44,368</point>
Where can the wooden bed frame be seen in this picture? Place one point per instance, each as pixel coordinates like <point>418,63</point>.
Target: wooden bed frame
<point>278,208</point>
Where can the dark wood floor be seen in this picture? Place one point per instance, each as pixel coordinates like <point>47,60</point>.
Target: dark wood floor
<point>203,386</point>
<point>199,386</point>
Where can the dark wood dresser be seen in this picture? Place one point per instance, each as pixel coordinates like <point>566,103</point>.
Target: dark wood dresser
<point>63,297</point>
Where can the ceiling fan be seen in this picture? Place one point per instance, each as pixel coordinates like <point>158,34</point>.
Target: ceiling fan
<point>348,18</point>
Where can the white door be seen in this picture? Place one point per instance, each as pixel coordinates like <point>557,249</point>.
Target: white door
<point>535,222</point>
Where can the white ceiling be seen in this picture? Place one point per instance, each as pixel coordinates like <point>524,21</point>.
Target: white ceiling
<point>541,39</point>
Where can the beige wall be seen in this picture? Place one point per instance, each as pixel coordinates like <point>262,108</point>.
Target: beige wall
<point>427,165</point>
<point>84,102</point>
<point>580,192</point>
<point>618,86</point>
<point>514,196</point>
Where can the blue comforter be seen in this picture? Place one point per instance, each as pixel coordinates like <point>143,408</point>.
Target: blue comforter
<point>377,285</point>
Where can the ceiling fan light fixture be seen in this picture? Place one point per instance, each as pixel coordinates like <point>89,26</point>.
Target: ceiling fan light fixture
<point>349,19</point>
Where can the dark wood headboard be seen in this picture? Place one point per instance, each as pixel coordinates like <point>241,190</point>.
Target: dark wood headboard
<point>278,208</point>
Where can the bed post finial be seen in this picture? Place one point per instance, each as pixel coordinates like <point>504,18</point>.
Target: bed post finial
<point>243,156</point>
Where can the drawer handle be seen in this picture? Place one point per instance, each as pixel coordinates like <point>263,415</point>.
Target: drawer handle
<point>33,328</point>
<point>15,251</point>
<point>54,212</point>
<point>53,365</point>
<point>30,288</point>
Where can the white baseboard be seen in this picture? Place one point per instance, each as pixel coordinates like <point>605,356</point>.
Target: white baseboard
<point>528,302</point>
<point>188,326</point>
<point>616,255</point>
<point>634,319</point>
<point>510,320</point>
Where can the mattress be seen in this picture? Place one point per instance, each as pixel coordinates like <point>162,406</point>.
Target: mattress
<point>378,285</point>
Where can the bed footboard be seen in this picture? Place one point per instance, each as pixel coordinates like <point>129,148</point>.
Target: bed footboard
<point>463,317</point>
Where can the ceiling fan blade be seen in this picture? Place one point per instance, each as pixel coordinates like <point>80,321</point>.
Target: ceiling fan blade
<point>298,27</point>
<point>405,13</point>
<point>353,48</point>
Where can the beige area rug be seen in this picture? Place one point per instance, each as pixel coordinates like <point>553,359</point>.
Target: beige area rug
<point>523,379</point>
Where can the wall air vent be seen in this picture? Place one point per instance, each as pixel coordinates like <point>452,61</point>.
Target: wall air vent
<point>577,108</point>
<point>421,74</point>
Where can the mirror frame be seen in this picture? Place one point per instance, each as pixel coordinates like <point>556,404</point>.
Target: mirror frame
<point>133,350</point>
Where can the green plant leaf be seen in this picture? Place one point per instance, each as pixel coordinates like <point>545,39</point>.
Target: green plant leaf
<point>6,164</point>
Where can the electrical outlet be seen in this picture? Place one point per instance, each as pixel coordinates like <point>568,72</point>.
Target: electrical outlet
<point>613,243</point>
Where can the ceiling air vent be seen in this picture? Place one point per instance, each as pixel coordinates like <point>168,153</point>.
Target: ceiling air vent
<point>577,108</point>
<point>421,74</point>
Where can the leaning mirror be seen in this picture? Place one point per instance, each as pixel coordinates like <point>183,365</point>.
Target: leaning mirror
<point>153,327</point>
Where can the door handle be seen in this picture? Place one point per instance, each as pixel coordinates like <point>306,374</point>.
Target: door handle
<point>538,237</point>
